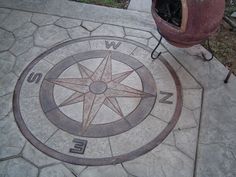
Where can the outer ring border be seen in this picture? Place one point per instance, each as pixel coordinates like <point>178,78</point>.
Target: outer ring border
<point>90,161</point>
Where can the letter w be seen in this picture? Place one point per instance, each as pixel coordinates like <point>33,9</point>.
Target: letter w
<point>112,44</point>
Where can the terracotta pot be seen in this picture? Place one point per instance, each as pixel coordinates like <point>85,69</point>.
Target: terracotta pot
<point>195,21</point>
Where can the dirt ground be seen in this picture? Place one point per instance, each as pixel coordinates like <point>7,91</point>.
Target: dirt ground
<point>223,45</point>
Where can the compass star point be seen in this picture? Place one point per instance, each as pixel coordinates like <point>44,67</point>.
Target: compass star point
<point>74,98</point>
<point>84,71</point>
<point>103,71</point>
<point>75,84</point>
<point>121,76</point>
<point>92,104</point>
<point>113,104</point>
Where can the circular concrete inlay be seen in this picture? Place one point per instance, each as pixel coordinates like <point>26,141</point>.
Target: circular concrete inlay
<point>99,104</point>
<point>98,87</point>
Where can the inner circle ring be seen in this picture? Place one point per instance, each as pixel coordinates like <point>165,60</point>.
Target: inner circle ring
<point>65,123</point>
<point>94,161</point>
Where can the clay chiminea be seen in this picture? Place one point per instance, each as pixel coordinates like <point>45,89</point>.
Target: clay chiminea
<point>185,23</point>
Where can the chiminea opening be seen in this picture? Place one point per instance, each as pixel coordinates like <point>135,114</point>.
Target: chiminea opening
<point>170,11</point>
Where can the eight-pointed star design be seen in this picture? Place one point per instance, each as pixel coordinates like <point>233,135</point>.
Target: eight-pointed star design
<point>97,88</point>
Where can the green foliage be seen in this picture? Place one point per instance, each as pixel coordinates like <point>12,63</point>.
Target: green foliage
<point>230,7</point>
<point>229,10</point>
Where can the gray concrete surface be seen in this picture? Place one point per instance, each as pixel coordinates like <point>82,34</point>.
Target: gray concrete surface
<point>84,11</point>
<point>215,146</point>
<point>140,5</point>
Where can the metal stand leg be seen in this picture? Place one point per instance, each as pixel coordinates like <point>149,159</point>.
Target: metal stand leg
<point>159,53</point>
<point>229,73</point>
<point>212,56</point>
<point>211,51</point>
<point>227,77</point>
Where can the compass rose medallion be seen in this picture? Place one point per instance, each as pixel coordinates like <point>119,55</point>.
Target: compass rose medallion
<point>98,88</point>
<point>97,101</point>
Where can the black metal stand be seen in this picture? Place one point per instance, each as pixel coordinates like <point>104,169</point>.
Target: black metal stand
<point>154,50</point>
<point>229,73</point>
<point>227,77</point>
<point>203,56</point>
<point>212,56</point>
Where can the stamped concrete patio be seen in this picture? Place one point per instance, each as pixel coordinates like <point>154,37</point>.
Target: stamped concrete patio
<point>81,96</point>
